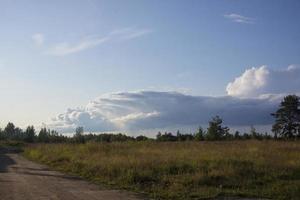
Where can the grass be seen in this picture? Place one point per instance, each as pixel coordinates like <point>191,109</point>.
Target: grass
<point>183,170</point>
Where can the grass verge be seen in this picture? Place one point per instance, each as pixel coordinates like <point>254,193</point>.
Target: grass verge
<point>183,170</point>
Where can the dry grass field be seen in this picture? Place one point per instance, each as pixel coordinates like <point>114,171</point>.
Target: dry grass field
<point>183,170</point>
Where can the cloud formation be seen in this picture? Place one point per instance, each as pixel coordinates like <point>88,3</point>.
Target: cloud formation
<point>258,81</point>
<point>38,39</point>
<point>239,18</point>
<point>65,48</point>
<point>250,100</point>
<point>150,109</point>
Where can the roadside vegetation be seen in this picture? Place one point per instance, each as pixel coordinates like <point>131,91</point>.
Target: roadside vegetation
<point>208,163</point>
<point>183,170</point>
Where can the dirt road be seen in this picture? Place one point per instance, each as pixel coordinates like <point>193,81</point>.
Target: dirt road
<point>21,179</point>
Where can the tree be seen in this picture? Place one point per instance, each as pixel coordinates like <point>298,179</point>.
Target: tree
<point>158,136</point>
<point>79,137</point>
<point>287,118</point>
<point>44,135</point>
<point>2,136</point>
<point>199,136</point>
<point>237,135</point>
<point>29,134</point>
<point>141,138</point>
<point>9,130</point>
<point>215,131</point>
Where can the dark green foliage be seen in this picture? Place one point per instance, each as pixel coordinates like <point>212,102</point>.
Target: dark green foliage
<point>287,118</point>
<point>79,137</point>
<point>184,137</point>
<point>215,131</point>
<point>199,136</point>
<point>108,137</point>
<point>237,135</point>
<point>29,134</point>
<point>2,136</point>
<point>166,137</point>
<point>44,135</point>
<point>141,138</point>
<point>50,136</point>
<point>9,131</point>
<point>13,133</point>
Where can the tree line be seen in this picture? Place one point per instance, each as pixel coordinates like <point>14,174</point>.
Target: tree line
<point>286,126</point>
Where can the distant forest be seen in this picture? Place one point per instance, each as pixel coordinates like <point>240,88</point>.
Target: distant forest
<point>286,126</point>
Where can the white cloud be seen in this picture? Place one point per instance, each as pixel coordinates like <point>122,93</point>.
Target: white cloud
<point>150,109</point>
<point>136,34</point>
<point>130,32</point>
<point>65,48</point>
<point>38,39</point>
<point>239,18</point>
<point>262,80</point>
<point>62,49</point>
<point>250,100</point>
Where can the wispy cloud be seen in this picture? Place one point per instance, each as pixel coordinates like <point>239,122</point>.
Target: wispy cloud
<point>136,34</point>
<point>65,48</point>
<point>239,18</point>
<point>38,39</point>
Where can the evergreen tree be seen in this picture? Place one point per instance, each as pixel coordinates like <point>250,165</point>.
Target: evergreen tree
<point>79,137</point>
<point>215,131</point>
<point>253,133</point>
<point>44,135</point>
<point>9,131</point>
<point>237,135</point>
<point>199,136</point>
<point>29,134</point>
<point>287,118</point>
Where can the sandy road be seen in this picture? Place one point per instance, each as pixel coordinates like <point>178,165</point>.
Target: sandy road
<point>21,179</point>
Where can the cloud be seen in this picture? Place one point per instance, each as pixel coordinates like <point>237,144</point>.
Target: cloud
<point>262,80</point>
<point>62,49</point>
<point>135,34</point>
<point>38,39</point>
<point>65,48</point>
<point>239,18</point>
<point>151,109</point>
<point>250,100</point>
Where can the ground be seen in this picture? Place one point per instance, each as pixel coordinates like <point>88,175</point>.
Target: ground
<point>21,179</point>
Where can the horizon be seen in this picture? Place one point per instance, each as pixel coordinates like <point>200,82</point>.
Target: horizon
<point>138,65</point>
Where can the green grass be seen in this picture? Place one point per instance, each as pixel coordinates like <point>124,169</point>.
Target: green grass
<point>183,170</point>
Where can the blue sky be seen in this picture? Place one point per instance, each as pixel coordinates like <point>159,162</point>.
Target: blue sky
<point>56,55</point>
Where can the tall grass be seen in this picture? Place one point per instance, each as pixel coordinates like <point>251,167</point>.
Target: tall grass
<point>183,170</point>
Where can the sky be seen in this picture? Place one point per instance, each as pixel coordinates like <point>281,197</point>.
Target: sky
<point>132,65</point>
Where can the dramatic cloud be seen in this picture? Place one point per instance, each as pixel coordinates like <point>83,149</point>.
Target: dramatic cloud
<point>251,98</point>
<point>239,18</point>
<point>149,110</point>
<point>38,39</point>
<point>262,80</point>
<point>66,48</point>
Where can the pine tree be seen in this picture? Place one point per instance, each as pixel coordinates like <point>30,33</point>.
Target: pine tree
<point>287,118</point>
<point>30,134</point>
<point>199,136</point>
<point>215,131</point>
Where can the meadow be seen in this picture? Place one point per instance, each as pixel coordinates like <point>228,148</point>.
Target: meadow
<point>182,170</point>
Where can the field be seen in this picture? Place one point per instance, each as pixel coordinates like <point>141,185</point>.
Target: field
<point>182,170</point>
